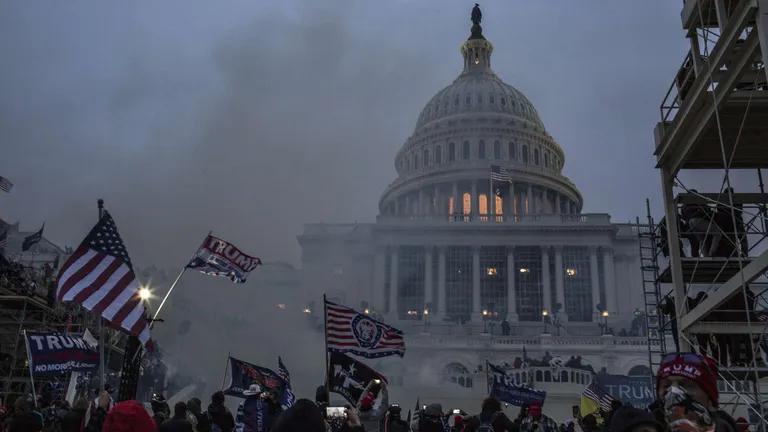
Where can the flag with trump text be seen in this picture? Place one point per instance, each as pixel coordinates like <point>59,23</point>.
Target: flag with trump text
<point>99,276</point>
<point>349,331</point>
<point>217,257</point>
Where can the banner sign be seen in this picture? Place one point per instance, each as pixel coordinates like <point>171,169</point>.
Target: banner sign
<point>243,374</point>
<point>633,390</point>
<point>53,353</point>
<point>504,388</point>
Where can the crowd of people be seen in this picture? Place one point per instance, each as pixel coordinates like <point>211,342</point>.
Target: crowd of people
<point>687,401</point>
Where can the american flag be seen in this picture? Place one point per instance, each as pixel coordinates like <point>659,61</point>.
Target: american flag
<point>5,184</point>
<point>601,397</point>
<point>99,276</point>
<point>499,173</point>
<point>349,331</point>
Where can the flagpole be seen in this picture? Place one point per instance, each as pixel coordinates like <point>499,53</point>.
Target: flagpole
<point>487,381</point>
<point>325,338</point>
<point>173,285</point>
<point>102,366</point>
<point>226,368</point>
<point>29,362</point>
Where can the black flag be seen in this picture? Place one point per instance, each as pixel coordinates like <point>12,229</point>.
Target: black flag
<point>350,378</point>
<point>32,239</point>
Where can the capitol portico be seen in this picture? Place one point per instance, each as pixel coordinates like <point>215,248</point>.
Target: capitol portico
<point>481,228</point>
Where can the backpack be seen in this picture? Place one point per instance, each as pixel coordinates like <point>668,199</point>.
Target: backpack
<point>487,426</point>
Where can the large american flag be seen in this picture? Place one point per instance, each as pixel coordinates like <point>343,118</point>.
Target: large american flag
<point>601,397</point>
<point>499,173</point>
<point>349,331</point>
<point>99,276</point>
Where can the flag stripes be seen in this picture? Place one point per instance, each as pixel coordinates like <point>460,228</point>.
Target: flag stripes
<point>347,330</point>
<point>499,173</point>
<point>596,394</point>
<point>99,276</point>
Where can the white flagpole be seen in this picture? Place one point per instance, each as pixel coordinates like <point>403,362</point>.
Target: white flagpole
<point>102,365</point>
<point>29,361</point>
<point>173,285</point>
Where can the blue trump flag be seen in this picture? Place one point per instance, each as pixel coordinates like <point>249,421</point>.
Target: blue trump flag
<point>244,374</point>
<point>504,388</point>
<point>633,390</point>
<point>53,353</point>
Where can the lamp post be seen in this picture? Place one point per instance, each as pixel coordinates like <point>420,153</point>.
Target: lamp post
<point>485,321</point>
<point>425,318</point>
<point>545,318</point>
<point>605,314</point>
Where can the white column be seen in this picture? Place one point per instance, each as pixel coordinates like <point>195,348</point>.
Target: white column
<point>393,285</point>
<point>560,282</point>
<point>610,282</point>
<point>546,288</point>
<point>440,284</point>
<point>529,200</point>
<point>594,274</point>
<point>428,277</point>
<point>557,203</point>
<point>511,294</point>
<point>379,267</point>
<point>476,307</point>
<point>455,210</point>
<point>475,207</point>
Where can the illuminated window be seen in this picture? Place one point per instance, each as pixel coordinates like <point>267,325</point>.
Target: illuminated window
<point>499,205</point>
<point>483,204</point>
<point>570,272</point>
<point>491,271</point>
<point>496,150</point>
<point>467,203</point>
<point>481,149</point>
<point>450,205</point>
<point>451,152</point>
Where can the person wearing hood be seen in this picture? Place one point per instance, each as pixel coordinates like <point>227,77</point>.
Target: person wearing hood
<point>24,417</point>
<point>129,416</point>
<point>195,414</point>
<point>220,416</point>
<point>490,414</point>
<point>537,421</point>
<point>179,422</point>
<point>257,413</point>
<point>160,409</point>
<point>630,419</point>
<point>432,419</point>
<point>687,394</point>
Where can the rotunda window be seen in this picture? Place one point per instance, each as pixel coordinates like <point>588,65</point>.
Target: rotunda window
<point>466,203</point>
<point>546,159</point>
<point>511,151</point>
<point>465,150</point>
<point>483,204</point>
<point>496,150</point>
<point>481,149</point>
<point>536,156</point>
<point>479,98</point>
<point>491,99</point>
<point>468,100</point>
<point>499,209</point>
<point>503,101</point>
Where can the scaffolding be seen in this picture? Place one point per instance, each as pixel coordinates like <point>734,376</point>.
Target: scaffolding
<point>715,117</point>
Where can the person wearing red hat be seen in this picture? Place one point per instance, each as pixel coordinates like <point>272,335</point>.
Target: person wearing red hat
<point>129,416</point>
<point>686,386</point>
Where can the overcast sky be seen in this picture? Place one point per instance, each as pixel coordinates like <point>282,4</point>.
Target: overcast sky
<point>250,118</point>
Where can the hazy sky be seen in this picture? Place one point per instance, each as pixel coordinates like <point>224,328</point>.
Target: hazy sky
<point>250,118</point>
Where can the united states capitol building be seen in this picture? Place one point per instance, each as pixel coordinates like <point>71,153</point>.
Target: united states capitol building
<point>452,254</point>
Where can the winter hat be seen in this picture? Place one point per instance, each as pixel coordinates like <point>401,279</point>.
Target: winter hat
<point>128,416</point>
<point>700,369</point>
<point>366,402</point>
<point>627,418</point>
<point>252,390</point>
<point>534,410</point>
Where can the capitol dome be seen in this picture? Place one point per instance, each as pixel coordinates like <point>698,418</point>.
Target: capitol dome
<point>476,125</point>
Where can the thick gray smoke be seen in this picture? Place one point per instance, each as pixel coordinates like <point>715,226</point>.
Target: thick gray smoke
<point>252,118</point>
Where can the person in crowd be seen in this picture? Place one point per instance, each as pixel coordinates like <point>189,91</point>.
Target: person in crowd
<point>699,233</point>
<point>588,423</point>
<point>197,417</point>
<point>687,395</point>
<point>24,417</point>
<point>393,420</point>
<point>220,416</point>
<point>615,406</point>
<point>72,420</point>
<point>490,419</point>
<point>431,419</point>
<point>536,421</point>
<point>97,411</point>
<point>179,422</point>
<point>258,411</point>
<point>160,409</point>
<point>629,419</point>
<point>304,415</point>
<point>128,416</point>
<point>373,404</point>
